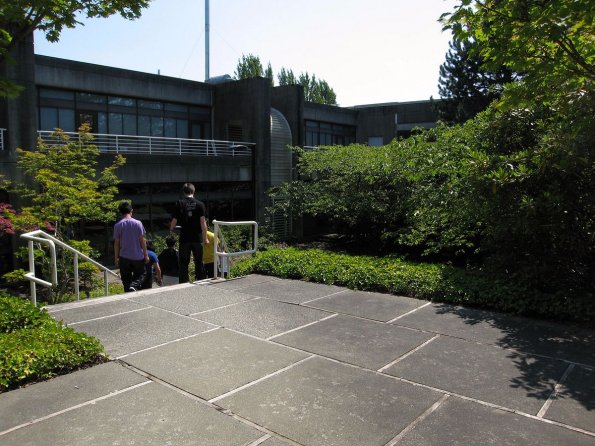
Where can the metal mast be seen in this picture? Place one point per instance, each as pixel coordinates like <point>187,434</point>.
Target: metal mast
<point>207,25</point>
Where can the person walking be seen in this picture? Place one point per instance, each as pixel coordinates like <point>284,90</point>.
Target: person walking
<point>152,268</point>
<point>190,214</point>
<point>169,262</point>
<point>130,249</point>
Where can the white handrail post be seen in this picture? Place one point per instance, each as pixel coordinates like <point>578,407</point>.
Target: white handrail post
<point>76,277</point>
<point>32,270</point>
<point>117,144</point>
<point>215,242</point>
<point>105,283</point>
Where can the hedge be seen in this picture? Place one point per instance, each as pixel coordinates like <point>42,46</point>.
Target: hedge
<point>436,282</point>
<point>33,346</point>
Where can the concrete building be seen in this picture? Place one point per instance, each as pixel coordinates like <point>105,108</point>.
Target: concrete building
<point>229,138</point>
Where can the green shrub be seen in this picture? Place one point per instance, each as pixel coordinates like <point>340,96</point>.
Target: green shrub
<point>437,282</point>
<point>17,313</point>
<point>33,346</point>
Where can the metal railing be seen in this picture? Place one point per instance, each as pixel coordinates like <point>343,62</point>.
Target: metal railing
<point>2,139</point>
<point>222,258</point>
<point>156,145</point>
<point>42,237</point>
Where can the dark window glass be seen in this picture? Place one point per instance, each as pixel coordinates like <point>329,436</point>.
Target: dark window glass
<point>182,128</point>
<point>115,123</point>
<point>129,124</point>
<point>156,126</point>
<point>122,102</point>
<point>169,129</point>
<point>102,122</point>
<point>66,119</point>
<point>48,118</point>
<point>144,125</point>
<point>90,98</point>
<point>151,105</point>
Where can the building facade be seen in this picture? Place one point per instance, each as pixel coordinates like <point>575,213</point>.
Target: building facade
<point>229,138</point>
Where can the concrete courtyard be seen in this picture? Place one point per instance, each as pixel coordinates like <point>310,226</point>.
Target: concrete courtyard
<point>266,361</point>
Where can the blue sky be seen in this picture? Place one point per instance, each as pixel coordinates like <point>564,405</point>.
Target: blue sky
<point>369,52</point>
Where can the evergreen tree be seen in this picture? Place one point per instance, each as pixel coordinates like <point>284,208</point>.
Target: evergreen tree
<point>466,88</point>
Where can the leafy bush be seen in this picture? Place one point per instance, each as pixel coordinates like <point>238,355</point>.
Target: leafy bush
<point>437,282</point>
<point>33,346</point>
<point>17,313</point>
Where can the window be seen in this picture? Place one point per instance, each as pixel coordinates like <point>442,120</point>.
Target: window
<point>118,115</point>
<point>326,134</point>
<point>375,141</point>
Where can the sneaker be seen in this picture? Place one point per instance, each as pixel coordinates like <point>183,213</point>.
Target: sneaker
<point>131,289</point>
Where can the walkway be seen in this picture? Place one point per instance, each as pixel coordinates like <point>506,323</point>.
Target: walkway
<point>272,362</point>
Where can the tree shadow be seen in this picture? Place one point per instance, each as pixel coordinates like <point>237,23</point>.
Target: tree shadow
<point>536,347</point>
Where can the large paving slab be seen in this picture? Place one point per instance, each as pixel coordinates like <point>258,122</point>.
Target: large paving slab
<point>321,402</point>
<point>213,363</point>
<point>356,341</point>
<point>466,423</point>
<point>376,306</point>
<point>292,291</point>
<point>42,399</point>
<point>488,373</point>
<point>262,317</point>
<point>100,308</point>
<point>242,282</point>
<point>527,335</point>
<point>147,415</point>
<point>575,400</point>
<point>192,299</point>
<point>130,332</point>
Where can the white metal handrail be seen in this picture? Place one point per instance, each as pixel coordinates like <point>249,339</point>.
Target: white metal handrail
<point>219,256</point>
<point>154,145</point>
<point>2,139</point>
<point>40,236</point>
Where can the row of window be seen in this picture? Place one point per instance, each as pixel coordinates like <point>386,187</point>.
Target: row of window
<point>117,115</point>
<point>326,134</point>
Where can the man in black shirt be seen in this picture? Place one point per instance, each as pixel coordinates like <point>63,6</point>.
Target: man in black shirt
<point>189,213</point>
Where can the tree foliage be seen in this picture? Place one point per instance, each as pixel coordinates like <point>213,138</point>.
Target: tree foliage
<point>248,67</point>
<point>465,87</point>
<point>508,191</point>
<point>20,18</point>
<point>67,187</point>
<point>552,42</point>
<point>315,90</point>
<point>64,188</point>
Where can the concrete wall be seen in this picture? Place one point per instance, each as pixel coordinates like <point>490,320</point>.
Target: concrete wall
<point>330,113</point>
<point>289,100</point>
<point>19,115</point>
<point>247,104</point>
<point>67,74</point>
<point>379,119</point>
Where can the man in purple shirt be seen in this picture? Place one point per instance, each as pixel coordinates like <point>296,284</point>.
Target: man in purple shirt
<point>130,249</point>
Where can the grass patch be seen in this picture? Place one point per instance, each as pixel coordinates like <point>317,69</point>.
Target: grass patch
<point>34,347</point>
<point>430,281</point>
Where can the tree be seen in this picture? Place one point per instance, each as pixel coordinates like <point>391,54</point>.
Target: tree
<point>465,87</point>
<point>552,42</point>
<point>315,90</point>
<point>19,18</point>
<point>248,67</point>
<point>67,187</point>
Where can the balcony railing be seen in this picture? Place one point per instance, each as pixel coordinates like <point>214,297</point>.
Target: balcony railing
<point>2,139</point>
<point>153,145</point>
